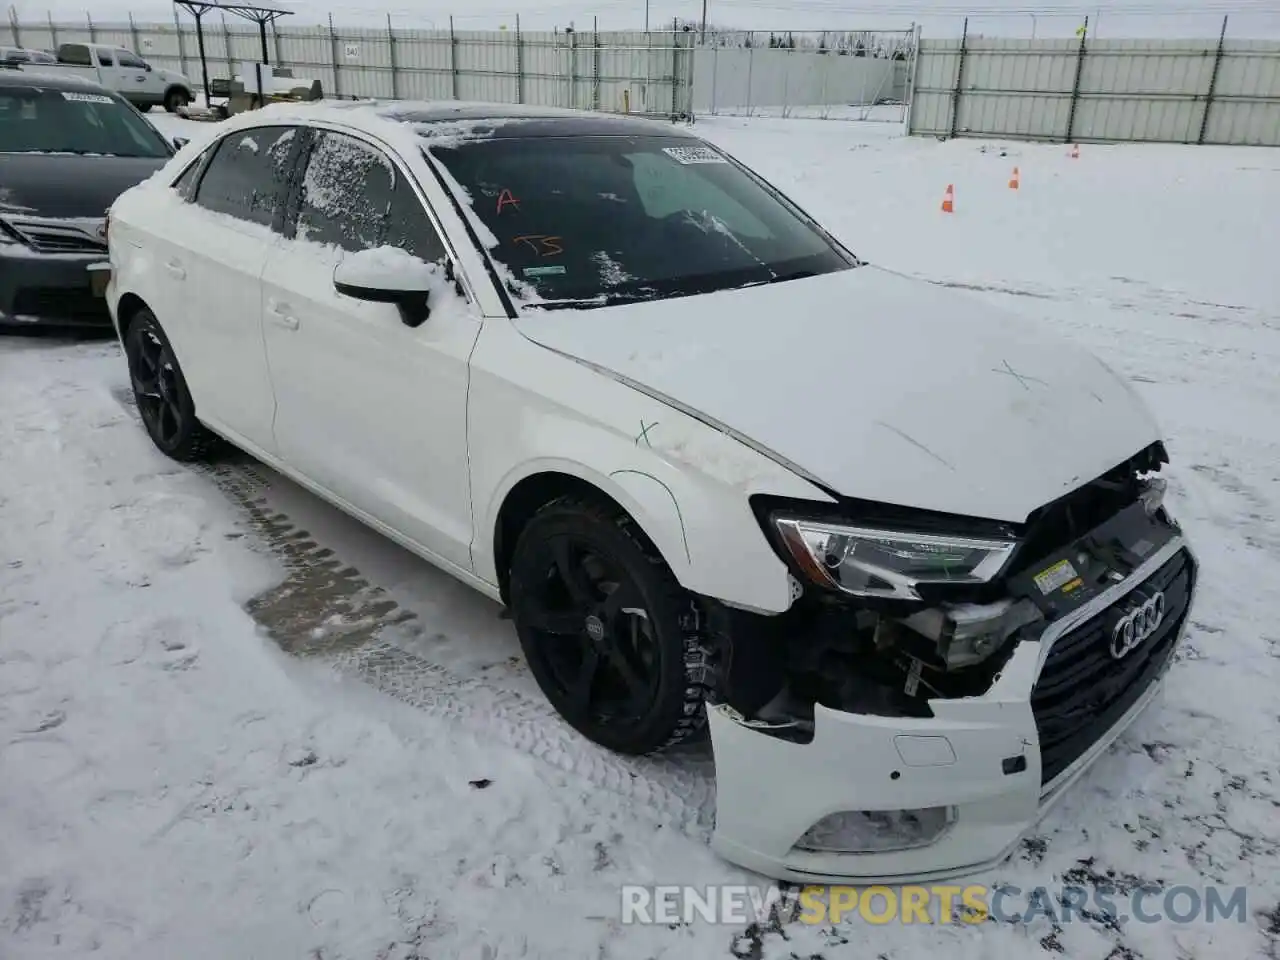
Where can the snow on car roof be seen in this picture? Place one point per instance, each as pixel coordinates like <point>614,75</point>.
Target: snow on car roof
<point>394,120</point>
<point>47,81</point>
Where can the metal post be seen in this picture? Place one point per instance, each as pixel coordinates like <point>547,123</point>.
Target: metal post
<point>703,34</point>
<point>751,65</point>
<point>519,63</point>
<point>204,63</point>
<point>955,94</point>
<point>333,57</point>
<point>1075,85</point>
<point>391,50</point>
<point>715,75</point>
<point>14,26</point>
<point>1213,83</point>
<point>689,63</point>
<point>913,71</point>
<point>177,27</point>
<point>646,16</point>
<point>275,39</point>
<point>453,58</point>
<point>262,37</point>
<point>133,32</point>
<point>53,32</point>
<point>675,67</point>
<point>93,35</point>
<point>573,68</point>
<point>595,63</point>
<point>226,41</point>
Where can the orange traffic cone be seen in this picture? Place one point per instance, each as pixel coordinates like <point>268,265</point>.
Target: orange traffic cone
<point>1075,151</point>
<point>949,199</point>
<point>1014,180</point>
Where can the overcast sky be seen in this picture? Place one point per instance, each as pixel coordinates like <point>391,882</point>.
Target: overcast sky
<point>1117,18</point>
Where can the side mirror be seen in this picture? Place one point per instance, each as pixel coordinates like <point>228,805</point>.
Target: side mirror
<point>389,275</point>
<point>146,67</point>
<point>180,142</point>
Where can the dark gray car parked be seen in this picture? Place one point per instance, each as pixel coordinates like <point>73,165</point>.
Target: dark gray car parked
<point>68,148</point>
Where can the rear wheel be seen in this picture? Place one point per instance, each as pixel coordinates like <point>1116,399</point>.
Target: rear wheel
<point>176,99</point>
<point>161,393</point>
<point>609,634</point>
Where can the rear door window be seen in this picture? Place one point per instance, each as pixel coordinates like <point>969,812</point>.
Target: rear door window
<point>248,178</point>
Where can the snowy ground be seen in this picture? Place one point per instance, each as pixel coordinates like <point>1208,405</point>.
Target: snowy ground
<point>174,784</point>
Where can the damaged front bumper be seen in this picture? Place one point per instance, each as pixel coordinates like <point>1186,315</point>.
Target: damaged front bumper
<point>897,799</point>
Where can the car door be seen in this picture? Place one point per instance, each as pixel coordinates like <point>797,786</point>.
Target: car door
<point>212,251</point>
<point>137,80</point>
<point>368,408</point>
<point>109,72</point>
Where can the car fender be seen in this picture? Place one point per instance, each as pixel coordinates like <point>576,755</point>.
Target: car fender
<point>687,485</point>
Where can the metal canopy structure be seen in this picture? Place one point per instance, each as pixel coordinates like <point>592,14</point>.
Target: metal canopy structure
<point>258,13</point>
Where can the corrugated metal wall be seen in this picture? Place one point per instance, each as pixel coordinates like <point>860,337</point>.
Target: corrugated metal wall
<point>1176,91</point>
<point>648,73</point>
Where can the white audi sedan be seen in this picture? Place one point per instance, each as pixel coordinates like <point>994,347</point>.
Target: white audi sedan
<point>907,557</point>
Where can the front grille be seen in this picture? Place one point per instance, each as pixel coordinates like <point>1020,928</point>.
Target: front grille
<point>61,241</point>
<point>1083,690</point>
<point>68,304</point>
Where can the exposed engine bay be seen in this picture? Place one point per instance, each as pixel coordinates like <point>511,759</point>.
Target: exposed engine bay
<point>890,655</point>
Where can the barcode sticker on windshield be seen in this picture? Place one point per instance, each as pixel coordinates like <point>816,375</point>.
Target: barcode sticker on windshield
<point>693,155</point>
<point>87,97</point>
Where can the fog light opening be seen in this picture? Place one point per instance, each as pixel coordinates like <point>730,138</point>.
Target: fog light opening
<point>876,831</point>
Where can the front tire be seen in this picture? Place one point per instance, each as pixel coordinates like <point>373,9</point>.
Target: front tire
<point>611,637</point>
<point>161,394</point>
<point>176,99</point>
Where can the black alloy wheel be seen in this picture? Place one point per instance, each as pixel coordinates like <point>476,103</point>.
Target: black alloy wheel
<point>161,394</point>
<point>609,634</point>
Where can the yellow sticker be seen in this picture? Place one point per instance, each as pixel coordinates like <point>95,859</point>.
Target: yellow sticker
<point>1056,576</point>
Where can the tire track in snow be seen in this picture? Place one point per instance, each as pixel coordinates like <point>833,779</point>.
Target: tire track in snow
<point>327,611</point>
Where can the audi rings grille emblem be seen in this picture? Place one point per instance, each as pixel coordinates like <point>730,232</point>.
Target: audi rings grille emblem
<point>1136,626</point>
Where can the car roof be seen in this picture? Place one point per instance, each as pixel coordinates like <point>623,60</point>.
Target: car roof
<point>463,120</point>
<point>47,81</point>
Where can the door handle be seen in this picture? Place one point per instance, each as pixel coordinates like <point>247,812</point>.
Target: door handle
<point>175,268</point>
<point>279,313</point>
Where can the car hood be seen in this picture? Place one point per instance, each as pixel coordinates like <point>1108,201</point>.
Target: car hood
<point>877,386</point>
<point>63,185</point>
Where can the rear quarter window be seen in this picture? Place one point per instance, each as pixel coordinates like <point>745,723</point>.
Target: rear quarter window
<point>185,185</point>
<point>76,54</point>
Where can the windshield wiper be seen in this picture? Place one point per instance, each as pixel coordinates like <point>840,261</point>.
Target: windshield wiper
<point>794,275</point>
<point>79,153</point>
<point>601,300</point>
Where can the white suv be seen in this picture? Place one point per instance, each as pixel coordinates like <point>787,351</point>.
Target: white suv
<point>906,554</point>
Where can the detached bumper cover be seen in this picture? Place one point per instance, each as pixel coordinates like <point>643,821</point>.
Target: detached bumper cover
<point>980,758</point>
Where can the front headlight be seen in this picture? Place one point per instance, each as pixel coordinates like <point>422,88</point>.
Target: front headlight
<point>882,563</point>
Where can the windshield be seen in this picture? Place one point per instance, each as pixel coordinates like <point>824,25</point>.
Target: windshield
<point>591,221</point>
<point>37,120</point>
